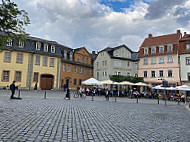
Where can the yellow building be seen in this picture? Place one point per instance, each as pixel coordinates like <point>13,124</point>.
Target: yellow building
<point>35,60</point>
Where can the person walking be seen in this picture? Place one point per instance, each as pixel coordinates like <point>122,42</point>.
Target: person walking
<point>35,86</point>
<point>13,87</point>
<point>67,94</point>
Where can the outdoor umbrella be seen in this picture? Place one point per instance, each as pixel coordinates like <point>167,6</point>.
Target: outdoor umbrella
<point>106,82</point>
<point>141,84</point>
<point>183,88</point>
<point>91,81</point>
<point>126,83</point>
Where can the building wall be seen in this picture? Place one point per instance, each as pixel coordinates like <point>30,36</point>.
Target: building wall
<point>160,66</point>
<point>185,69</point>
<point>102,56</point>
<point>40,69</point>
<point>13,67</point>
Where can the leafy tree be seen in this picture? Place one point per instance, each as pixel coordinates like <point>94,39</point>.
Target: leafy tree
<point>12,22</point>
<point>120,78</point>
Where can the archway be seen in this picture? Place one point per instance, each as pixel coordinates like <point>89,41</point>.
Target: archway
<point>46,81</point>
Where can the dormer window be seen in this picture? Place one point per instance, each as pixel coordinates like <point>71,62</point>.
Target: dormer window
<point>52,49</point>
<point>9,42</point>
<point>161,49</point>
<point>65,54</point>
<point>21,44</point>
<point>146,51</point>
<point>153,50</point>
<point>170,48</point>
<point>46,47</point>
<point>122,53</point>
<point>71,56</point>
<point>78,58</point>
<point>38,45</point>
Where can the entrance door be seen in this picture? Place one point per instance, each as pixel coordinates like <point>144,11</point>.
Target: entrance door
<point>46,82</point>
<point>67,83</point>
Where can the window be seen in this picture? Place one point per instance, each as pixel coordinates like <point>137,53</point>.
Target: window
<point>87,60</point>
<point>169,73</point>
<point>161,73</point>
<point>7,57</point>
<point>105,73</point>
<point>83,59</point>
<point>116,53</point>
<point>145,61</point>
<point>89,72</point>
<point>68,68</point>
<point>105,62</point>
<point>187,60</point>
<point>187,46</point>
<point>46,47</point>
<point>5,76</point>
<point>71,56</point>
<point>78,59</point>
<point>170,48</point>
<point>153,61</point>
<point>18,76</point>
<point>128,73</point>
<point>19,58</point>
<point>38,45</point>
<point>37,60</point>
<point>9,42</point>
<point>122,53</point>
<point>128,63</point>
<point>145,51</point>
<point>161,60</point>
<point>35,77</point>
<point>51,62</point>
<point>97,75</point>
<point>45,61</point>
<point>80,81</point>
<point>65,54</point>
<point>97,63</point>
<point>80,70</point>
<point>145,73</point>
<point>117,63</point>
<point>21,44</point>
<point>84,70</point>
<point>75,82</point>
<point>64,67</point>
<point>153,74</point>
<point>170,60</point>
<point>102,63</point>
<point>188,75</point>
<point>153,50</point>
<point>161,49</point>
<point>119,73</point>
<point>52,49</point>
<point>75,69</point>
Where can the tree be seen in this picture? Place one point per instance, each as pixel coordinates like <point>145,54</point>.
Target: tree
<point>120,78</point>
<point>12,22</point>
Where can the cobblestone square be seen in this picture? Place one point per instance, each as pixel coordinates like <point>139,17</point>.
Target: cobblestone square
<point>54,119</point>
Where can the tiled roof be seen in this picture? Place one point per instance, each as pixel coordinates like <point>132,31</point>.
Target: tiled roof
<point>185,37</point>
<point>160,40</point>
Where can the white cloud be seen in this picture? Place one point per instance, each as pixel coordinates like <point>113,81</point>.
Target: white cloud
<point>88,23</point>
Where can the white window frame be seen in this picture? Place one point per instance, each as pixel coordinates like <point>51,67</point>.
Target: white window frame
<point>52,49</point>
<point>45,61</point>
<point>80,70</point>
<point>117,63</point>
<point>75,69</point>
<point>170,59</point>
<point>145,63</point>
<point>9,42</point>
<point>161,60</point>
<point>65,54</point>
<point>68,68</point>
<point>116,53</point>
<point>51,62</point>
<point>153,49</point>
<point>45,47</point>
<point>64,67</point>
<point>21,44</point>
<point>160,51</point>
<point>187,46</point>
<point>85,70</point>
<point>168,48</point>
<point>71,56</point>
<point>145,49</point>
<point>38,45</point>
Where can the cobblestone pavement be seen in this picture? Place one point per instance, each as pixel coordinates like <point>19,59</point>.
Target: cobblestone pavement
<point>54,119</point>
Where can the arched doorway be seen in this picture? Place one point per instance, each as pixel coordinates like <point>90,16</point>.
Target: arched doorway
<point>67,82</point>
<point>46,81</point>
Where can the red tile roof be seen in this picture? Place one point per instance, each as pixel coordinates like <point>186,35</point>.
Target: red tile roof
<point>159,40</point>
<point>185,37</point>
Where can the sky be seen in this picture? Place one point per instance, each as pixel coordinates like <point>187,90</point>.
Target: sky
<point>97,24</point>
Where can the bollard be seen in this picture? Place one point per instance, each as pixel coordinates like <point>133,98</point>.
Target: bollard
<point>158,100</point>
<point>165,97</point>
<point>45,95</point>
<point>18,93</point>
<point>137,98</point>
<point>92,97</point>
<point>115,98</point>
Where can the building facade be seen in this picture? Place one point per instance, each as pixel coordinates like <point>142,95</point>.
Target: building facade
<point>115,61</point>
<point>184,53</point>
<point>76,66</point>
<point>158,59</point>
<point>29,62</point>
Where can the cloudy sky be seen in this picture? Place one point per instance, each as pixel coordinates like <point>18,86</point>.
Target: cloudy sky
<point>97,24</point>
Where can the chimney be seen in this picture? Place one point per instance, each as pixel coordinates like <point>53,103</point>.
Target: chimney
<point>149,35</point>
<point>93,52</point>
<point>178,32</point>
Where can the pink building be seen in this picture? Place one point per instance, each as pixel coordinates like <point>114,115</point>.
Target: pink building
<point>159,59</point>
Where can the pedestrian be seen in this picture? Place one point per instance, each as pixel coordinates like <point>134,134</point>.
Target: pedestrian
<point>13,87</point>
<point>67,94</point>
<point>35,86</point>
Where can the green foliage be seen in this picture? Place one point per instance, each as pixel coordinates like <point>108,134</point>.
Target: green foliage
<point>12,22</point>
<point>120,78</point>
